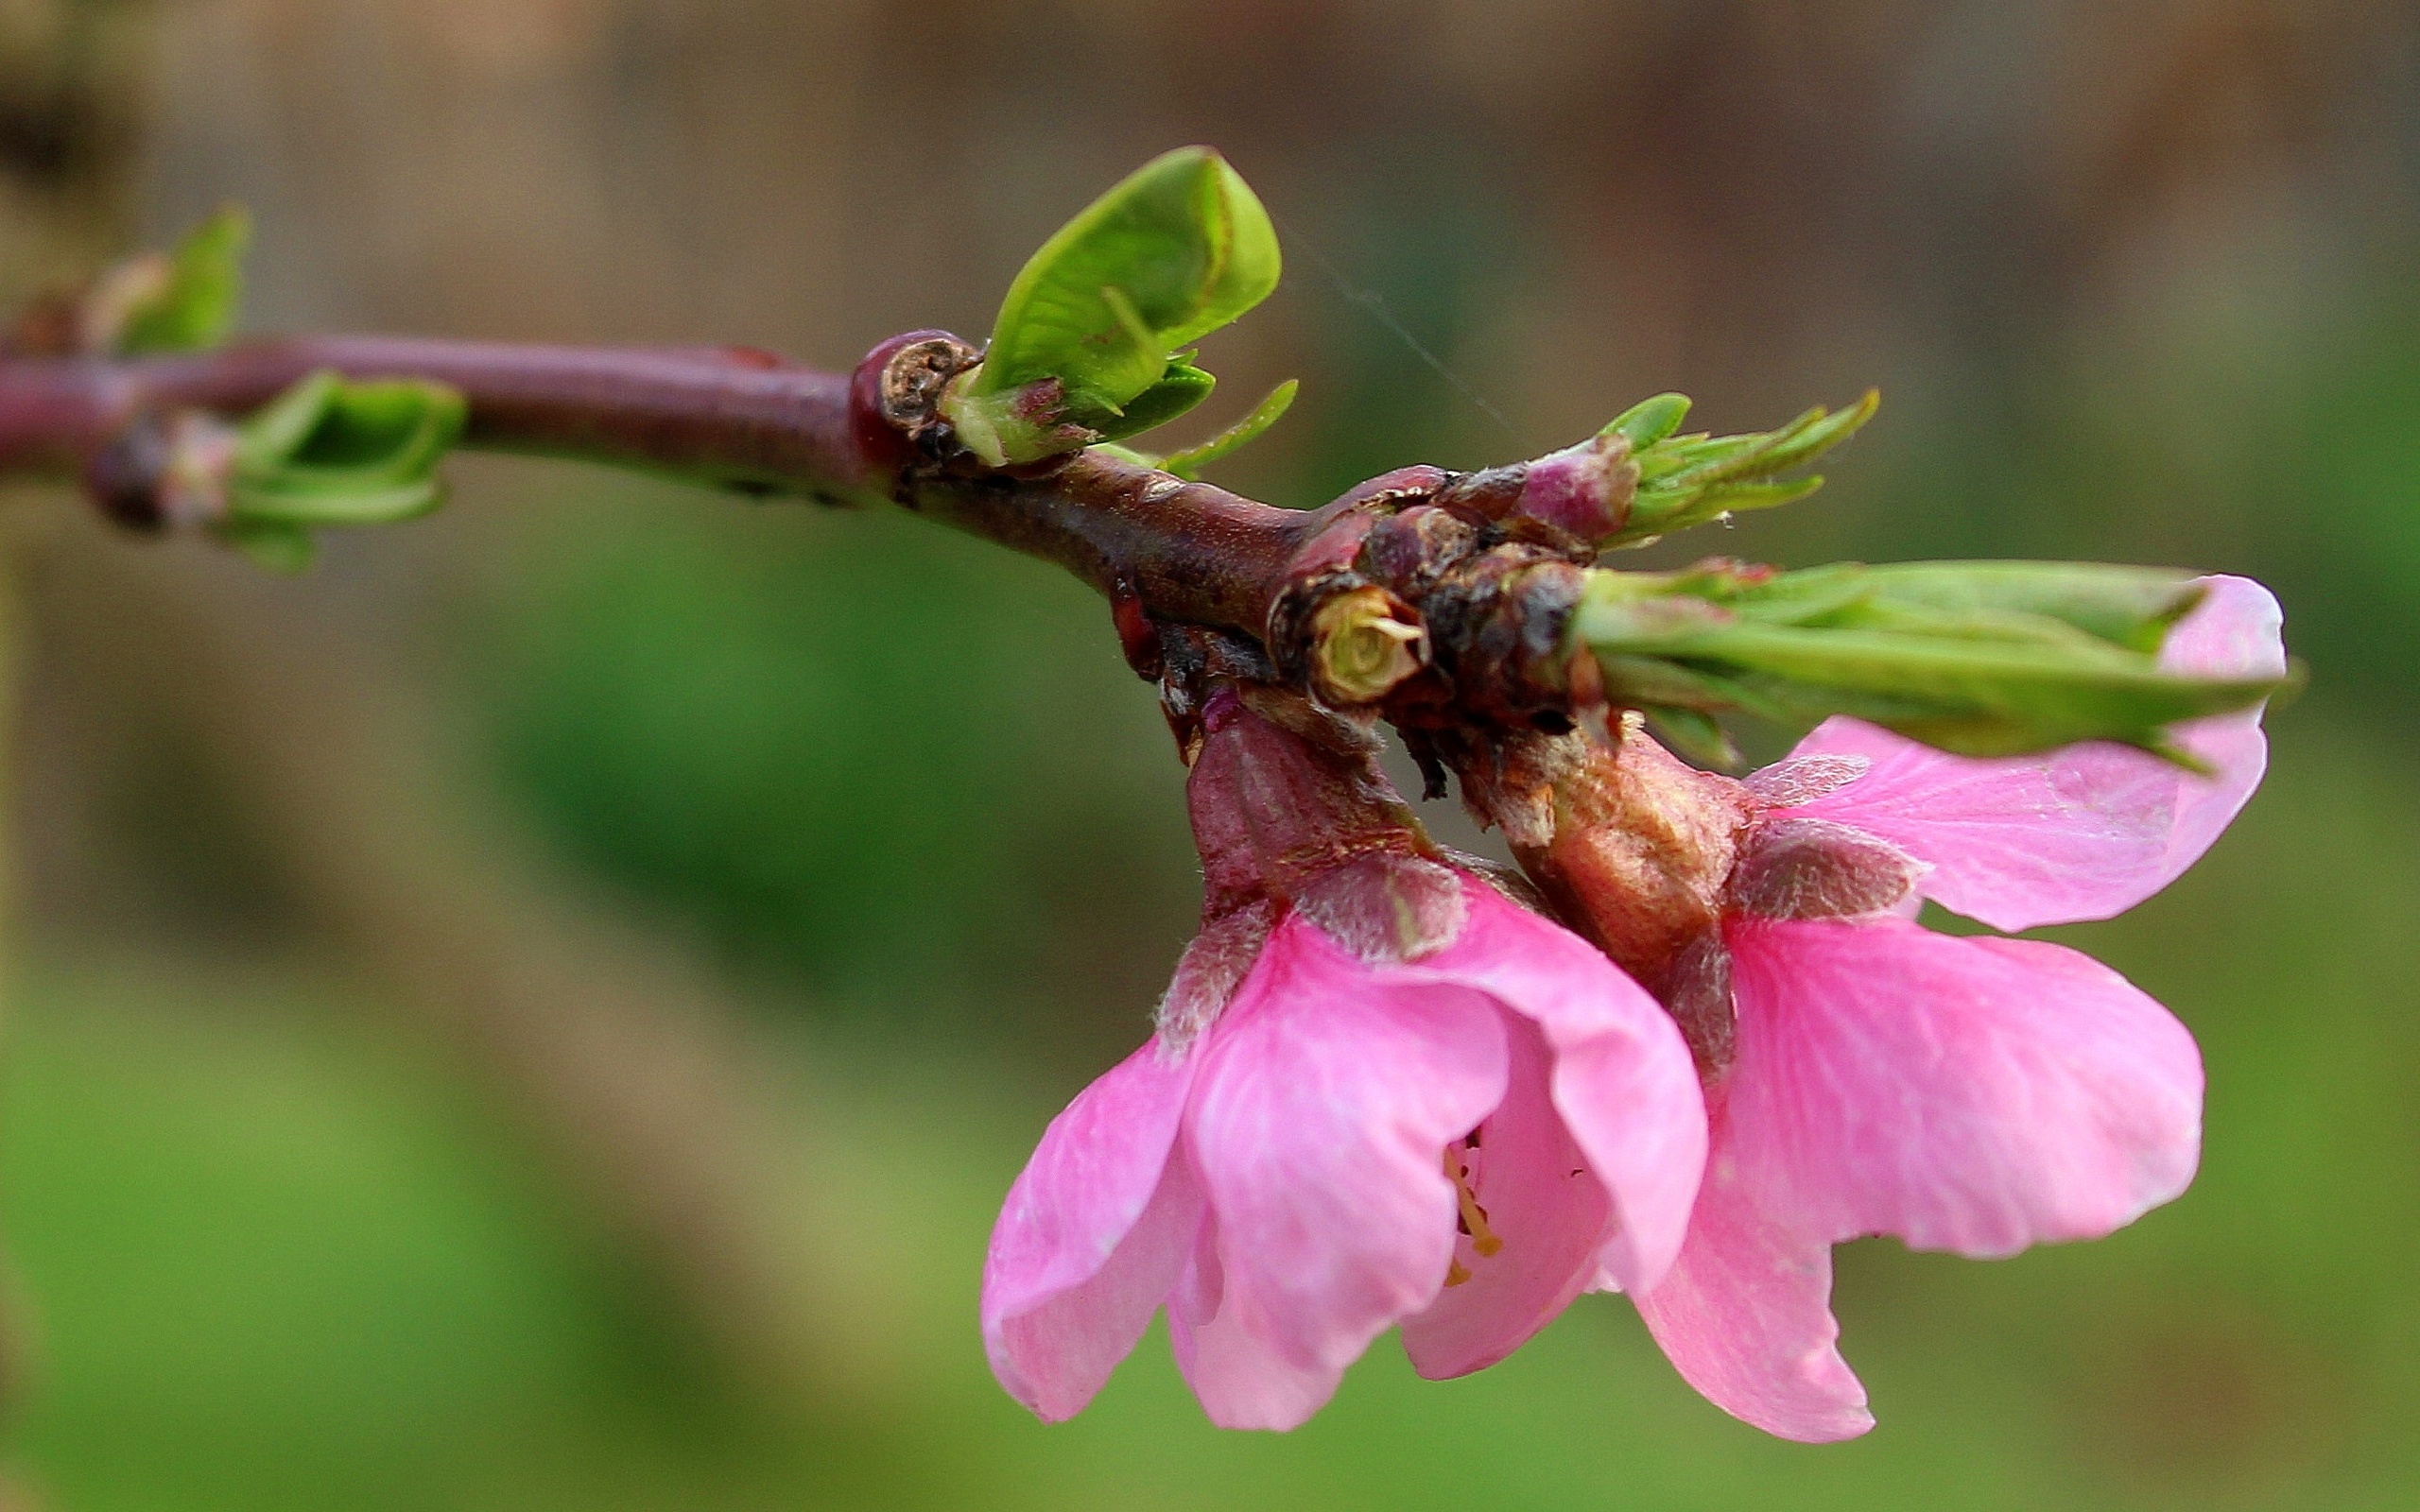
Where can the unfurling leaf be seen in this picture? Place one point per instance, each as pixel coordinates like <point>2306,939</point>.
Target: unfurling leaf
<point>1689,479</point>
<point>1188,463</point>
<point>1088,346</point>
<point>334,451</point>
<point>1981,659</point>
<point>190,299</point>
<point>281,548</point>
<point>1695,734</point>
<point>1637,479</point>
<point>1181,386</point>
<point>1651,420</point>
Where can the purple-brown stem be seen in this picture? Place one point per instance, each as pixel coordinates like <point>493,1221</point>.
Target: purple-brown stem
<point>729,416</point>
<point>725,414</point>
<point>1176,552</point>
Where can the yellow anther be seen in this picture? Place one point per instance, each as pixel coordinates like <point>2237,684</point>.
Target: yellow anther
<point>1485,1240</point>
<point>1455,1275</point>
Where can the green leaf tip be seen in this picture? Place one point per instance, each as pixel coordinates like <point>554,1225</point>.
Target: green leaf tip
<point>1088,343</point>
<point>1979,659</point>
<point>186,300</point>
<point>1188,463</point>
<point>1695,734</point>
<point>1689,479</point>
<point>1650,420</point>
<point>278,547</point>
<point>332,451</point>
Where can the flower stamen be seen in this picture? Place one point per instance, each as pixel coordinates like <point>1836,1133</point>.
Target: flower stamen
<point>1471,1218</point>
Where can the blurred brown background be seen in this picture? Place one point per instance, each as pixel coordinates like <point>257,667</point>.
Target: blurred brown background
<point>542,1009</point>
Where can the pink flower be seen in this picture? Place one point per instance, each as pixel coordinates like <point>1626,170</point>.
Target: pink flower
<point>1974,1095</point>
<point>1380,1092</point>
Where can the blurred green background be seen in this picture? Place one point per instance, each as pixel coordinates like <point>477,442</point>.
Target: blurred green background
<point>541,1011</point>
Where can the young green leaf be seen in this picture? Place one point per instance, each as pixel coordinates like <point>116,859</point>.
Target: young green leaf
<point>1089,337</point>
<point>193,307</point>
<point>2132,607</point>
<point>1982,659</point>
<point>1650,420</point>
<point>1188,463</point>
<point>1182,386</point>
<point>281,548</point>
<point>331,452</point>
<point>1694,735</point>
<point>1689,479</point>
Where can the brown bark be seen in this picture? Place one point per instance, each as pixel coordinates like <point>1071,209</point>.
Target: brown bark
<point>1490,597</point>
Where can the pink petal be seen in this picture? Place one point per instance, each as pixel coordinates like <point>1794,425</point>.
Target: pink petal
<point>2083,833</point>
<point>1322,1106</point>
<point>2237,628</point>
<point>2014,841</point>
<point>1090,1238</point>
<point>1241,1383</point>
<point>1976,1096</point>
<point>1623,1080</point>
<point>1746,1316</point>
<point>1538,1196</point>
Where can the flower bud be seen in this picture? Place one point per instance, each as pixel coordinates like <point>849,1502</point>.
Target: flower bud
<point>1584,489</point>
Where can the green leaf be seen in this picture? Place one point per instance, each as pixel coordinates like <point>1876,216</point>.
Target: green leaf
<point>281,548</point>
<point>195,306</point>
<point>364,506</point>
<point>1650,420</point>
<point>1188,463</point>
<point>2132,607</point>
<point>2127,607</point>
<point>333,452</point>
<point>1695,735</point>
<point>1179,248</point>
<point>1689,479</point>
<point>1182,386</point>
<point>1982,659</point>
<point>330,431</point>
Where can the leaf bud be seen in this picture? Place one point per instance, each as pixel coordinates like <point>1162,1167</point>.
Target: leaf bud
<point>1364,643</point>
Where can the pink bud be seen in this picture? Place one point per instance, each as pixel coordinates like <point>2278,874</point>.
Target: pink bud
<point>1584,489</point>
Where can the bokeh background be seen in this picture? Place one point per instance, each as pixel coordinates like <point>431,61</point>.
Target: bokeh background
<point>541,1011</point>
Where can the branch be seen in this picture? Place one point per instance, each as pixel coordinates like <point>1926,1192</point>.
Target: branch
<point>1450,604</point>
<point>733,417</point>
<point>1166,551</point>
<point>721,414</point>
